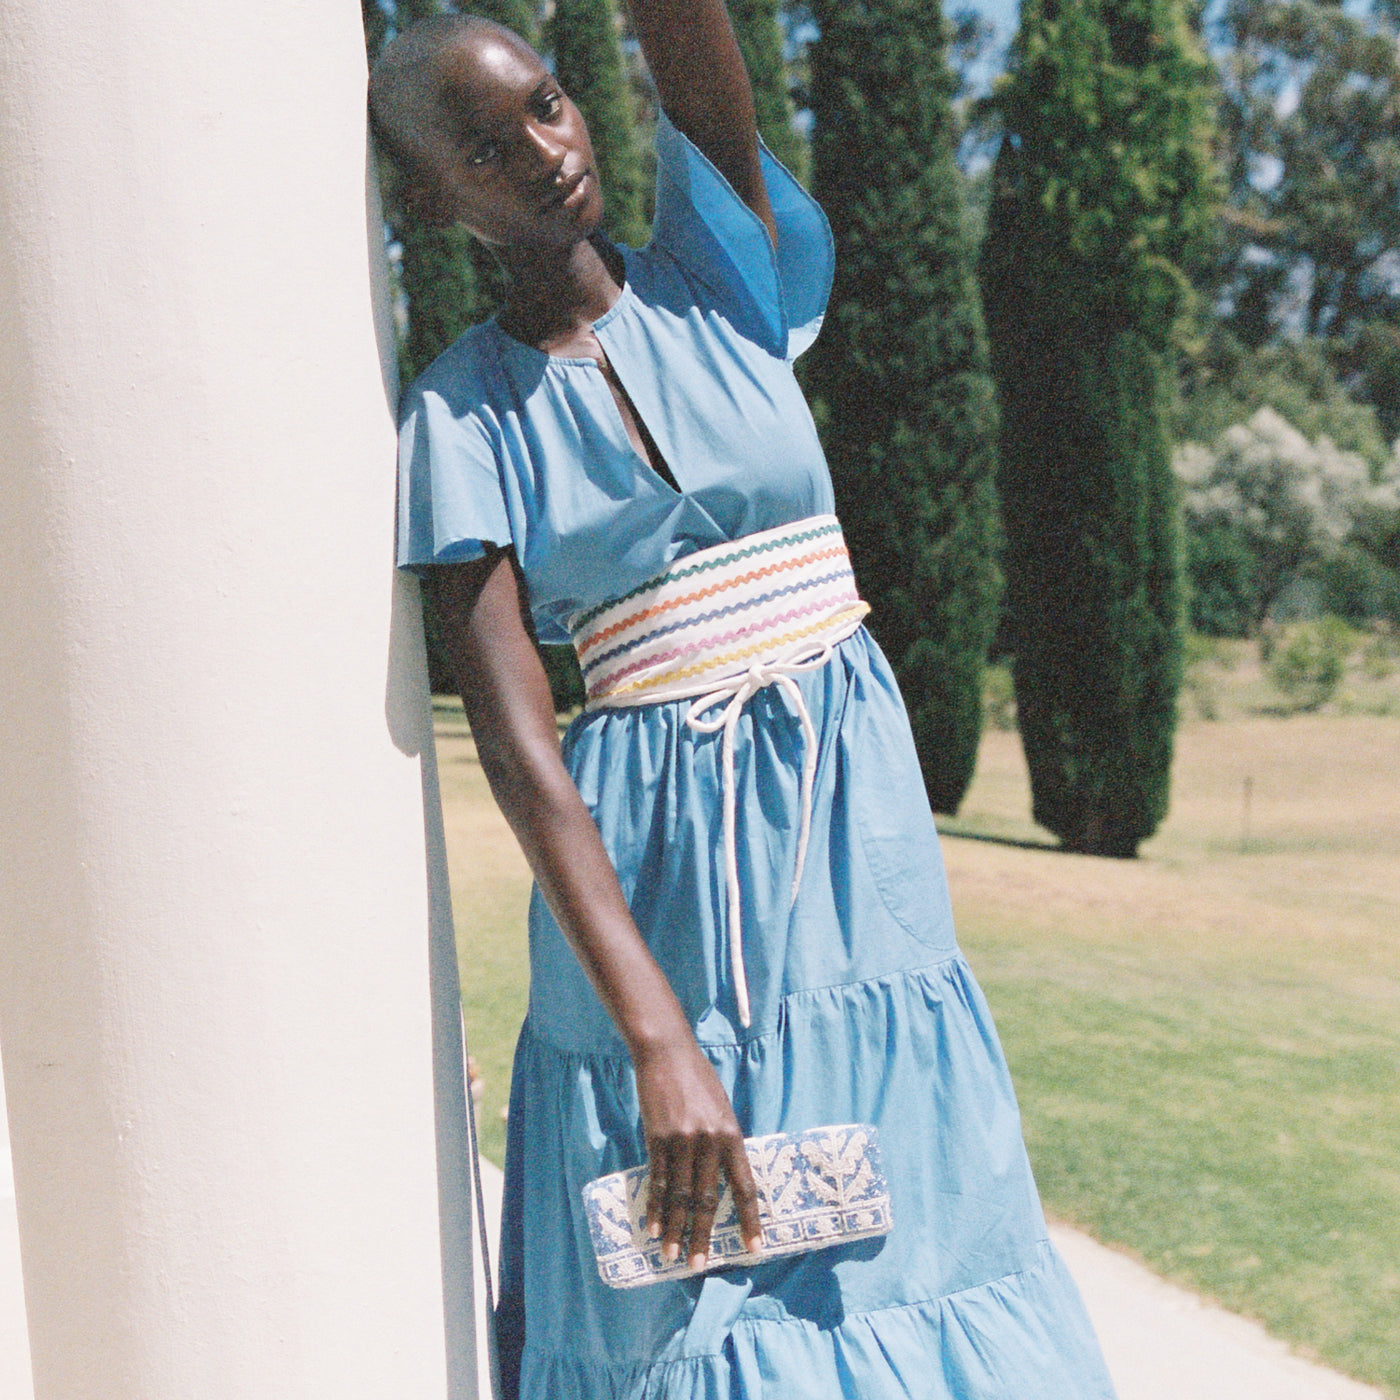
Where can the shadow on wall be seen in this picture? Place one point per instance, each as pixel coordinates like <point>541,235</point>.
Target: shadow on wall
<point>15,1380</point>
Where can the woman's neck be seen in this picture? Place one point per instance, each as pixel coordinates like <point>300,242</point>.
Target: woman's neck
<point>556,294</point>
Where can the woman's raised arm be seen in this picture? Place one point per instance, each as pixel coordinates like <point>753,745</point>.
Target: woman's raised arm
<point>700,77</point>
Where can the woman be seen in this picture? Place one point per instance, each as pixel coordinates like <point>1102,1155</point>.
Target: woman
<point>740,924</point>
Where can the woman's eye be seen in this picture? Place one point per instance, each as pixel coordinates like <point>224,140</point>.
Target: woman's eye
<point>549,106</point>
<point>482,153</point>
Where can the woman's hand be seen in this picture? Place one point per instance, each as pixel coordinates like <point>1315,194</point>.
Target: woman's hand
<point>691,1132</point>
<point>693,1146</point>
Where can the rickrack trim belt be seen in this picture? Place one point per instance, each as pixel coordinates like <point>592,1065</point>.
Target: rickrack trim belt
<point>715,628</point>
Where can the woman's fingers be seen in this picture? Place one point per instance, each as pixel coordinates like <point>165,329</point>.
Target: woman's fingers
<point>694,1145</point>
<point>688,1176</point>
<point>669,1193</point>
<point>679,1199</point>
<point>659,1183</point>
<point>741,1183</point>
<point>704,1200</point>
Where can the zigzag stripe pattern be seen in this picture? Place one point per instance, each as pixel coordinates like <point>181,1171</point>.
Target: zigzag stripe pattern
<point>714,615</point>
<point>705,647</point>
<point>713,558</point>
<point>720,665</point>
<point>671,603</point>
<point>776,590</point>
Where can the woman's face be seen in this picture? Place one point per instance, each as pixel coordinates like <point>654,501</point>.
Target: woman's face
<point>512,154</point>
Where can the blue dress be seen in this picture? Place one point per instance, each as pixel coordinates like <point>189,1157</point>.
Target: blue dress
<point>862,1007</point>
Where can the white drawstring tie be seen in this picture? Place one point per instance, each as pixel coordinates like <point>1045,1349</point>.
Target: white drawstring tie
<point>734,693</point>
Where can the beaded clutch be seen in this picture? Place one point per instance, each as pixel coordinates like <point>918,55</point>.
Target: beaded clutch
<point>816,1188</point>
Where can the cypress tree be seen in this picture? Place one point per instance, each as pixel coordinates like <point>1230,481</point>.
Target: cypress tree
<point>900,373</point>
<point>1102,192</point>
<point>438,281</point>
<point>761,43</point>
<point>375,19</point>
<point>584,38</point>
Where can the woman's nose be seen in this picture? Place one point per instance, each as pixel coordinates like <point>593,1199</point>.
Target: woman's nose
<point>543,147</point>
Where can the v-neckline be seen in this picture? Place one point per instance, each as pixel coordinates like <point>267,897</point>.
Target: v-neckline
<point>663,473</point>
<point>667,479</point>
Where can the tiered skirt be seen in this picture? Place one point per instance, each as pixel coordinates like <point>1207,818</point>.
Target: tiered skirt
<point>863,1010</point>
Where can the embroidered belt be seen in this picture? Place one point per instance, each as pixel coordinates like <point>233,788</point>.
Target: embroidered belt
<point>715,628</point>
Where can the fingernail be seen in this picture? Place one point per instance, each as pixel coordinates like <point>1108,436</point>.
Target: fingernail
<point>697,1261</point>
<point>670,1251</point>
<point>755,1244</point>
<point>654,1229</point>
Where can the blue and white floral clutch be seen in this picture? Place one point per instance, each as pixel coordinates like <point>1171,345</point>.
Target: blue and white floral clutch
<point>816,1188</point>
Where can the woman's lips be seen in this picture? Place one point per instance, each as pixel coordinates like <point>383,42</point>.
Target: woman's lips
<point>575,196</point>
<point>570,194</point>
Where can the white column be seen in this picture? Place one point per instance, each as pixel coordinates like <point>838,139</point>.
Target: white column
<point>14,1338</point>
<point>215,962</point>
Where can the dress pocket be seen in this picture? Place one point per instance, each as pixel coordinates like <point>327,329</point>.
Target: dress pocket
<point>895,823</point>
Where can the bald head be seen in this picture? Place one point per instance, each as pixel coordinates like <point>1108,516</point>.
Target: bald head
<point>410,81</point>
<point>482,135</point>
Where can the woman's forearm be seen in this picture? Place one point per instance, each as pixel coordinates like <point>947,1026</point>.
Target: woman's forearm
<point>692,1135</point>
<point>694,59</point>
<point>577,879</point>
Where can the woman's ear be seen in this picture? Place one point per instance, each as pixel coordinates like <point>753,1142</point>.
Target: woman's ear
<point>418,196</point>
<point>425,199</point>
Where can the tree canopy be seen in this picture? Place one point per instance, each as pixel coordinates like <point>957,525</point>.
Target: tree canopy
<point>1311,144</point>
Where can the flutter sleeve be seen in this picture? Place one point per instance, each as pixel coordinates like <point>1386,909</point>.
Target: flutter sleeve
<point>775,295</point>
<point>451,499</point>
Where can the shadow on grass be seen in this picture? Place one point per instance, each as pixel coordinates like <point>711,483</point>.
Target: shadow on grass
<point>947,833</point>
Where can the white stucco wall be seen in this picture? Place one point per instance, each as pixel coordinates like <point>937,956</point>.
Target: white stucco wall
<point>14,1338</point>
<point>214,904</point>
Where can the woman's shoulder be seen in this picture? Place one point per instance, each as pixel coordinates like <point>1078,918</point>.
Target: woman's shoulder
<point>462,378</point>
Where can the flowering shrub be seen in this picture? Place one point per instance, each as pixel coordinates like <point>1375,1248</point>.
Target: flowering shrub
<point>1265,505</point>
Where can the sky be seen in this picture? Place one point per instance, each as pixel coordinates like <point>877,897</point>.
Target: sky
<point>1002,13</point>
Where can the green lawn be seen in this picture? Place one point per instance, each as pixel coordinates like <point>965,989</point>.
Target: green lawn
<point>1206,1041</point>
<point>490,890</point>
